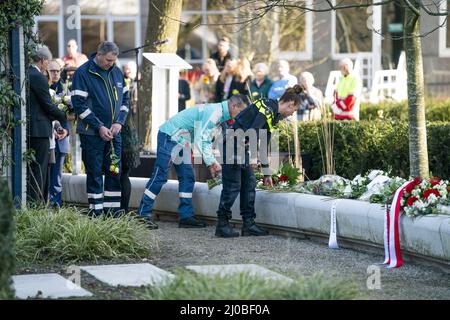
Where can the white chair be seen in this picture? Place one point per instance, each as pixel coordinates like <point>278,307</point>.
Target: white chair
<point>390,84</point>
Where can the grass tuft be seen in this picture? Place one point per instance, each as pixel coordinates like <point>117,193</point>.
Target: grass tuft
<point>68,235</point>
<point>243,286</point>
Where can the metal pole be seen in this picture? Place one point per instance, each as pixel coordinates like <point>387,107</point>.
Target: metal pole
<point>17,145</point>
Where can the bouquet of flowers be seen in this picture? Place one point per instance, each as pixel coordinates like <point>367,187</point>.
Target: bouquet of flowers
<point>214,182</point>
<point>327,185</point>
<point>423,196</point>
<point>114,168</point>
<point>62,100</point>
<point>284,178</point>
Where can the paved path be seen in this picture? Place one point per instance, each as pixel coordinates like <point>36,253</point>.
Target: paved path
<point>292,256</point>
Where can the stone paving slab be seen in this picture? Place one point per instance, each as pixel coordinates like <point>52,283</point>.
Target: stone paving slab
<point>47,285</point>
<point>251,269</point>
<point>129,275</point>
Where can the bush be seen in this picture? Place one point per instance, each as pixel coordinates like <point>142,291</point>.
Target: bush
<point>68,236</point>
<point>242,286</point>
<point>364,145</point>
<point>435,109</point>
<point>6,242</point>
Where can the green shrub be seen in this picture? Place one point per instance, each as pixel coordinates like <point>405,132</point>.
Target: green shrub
<point>7,258</point>
<point>241,286</point>
<point>364,145</point>
<point>68,235</point>
<point>435,109</point>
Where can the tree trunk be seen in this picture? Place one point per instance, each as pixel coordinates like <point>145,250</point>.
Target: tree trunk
<point>163,23</point>
<point>418,153</point>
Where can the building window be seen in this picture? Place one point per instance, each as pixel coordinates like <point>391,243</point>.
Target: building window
<point>124,34</point>
<point>101,20</point>
<point>350,33</point>
<point>48,33</point>
<point>49,27</point>
<point>204,22</point>
<point>93,31</point>
<point>444,31</point>
<point>117,21</point>
<point>51,8</point>
<point>295,34</point>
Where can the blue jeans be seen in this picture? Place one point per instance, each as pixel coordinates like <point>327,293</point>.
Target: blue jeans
<point>237,179</point>
<point>55,188</point>
<point>160,174</point>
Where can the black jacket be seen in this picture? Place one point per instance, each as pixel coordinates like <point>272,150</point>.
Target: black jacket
<point>40,107</point>
<point>251,118</point>
<point>220,63</point>
<point>236,87</point>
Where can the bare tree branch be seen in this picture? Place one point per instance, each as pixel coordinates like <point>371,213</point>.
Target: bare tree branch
<point>431,13</point>
<point>412,8</point>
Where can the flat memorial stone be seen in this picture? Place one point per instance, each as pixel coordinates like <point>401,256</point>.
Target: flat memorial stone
<point>129,275</point>
<point>251,269</point>
<point>48,286</point>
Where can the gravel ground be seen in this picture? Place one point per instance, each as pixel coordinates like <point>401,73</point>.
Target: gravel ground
<point>290,256</point>
<point>293,256</point>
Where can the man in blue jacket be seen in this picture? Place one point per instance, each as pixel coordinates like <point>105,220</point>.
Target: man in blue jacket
<point>100,100</point>
<point>176,137</point>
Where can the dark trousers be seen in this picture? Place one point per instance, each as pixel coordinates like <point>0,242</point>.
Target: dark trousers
<point>38,170</point>
<point>126,187</point>
<point>237,179</point>
<point>96,155</point>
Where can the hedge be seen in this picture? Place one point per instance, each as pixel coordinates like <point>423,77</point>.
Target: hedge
<point>435,109</point>
<point>364,145</point>
<point>7,257</point>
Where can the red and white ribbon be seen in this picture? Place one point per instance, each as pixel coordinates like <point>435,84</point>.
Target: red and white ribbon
<point>392,253</point>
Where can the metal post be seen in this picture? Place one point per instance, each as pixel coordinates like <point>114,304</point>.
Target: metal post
<point>18,145</point>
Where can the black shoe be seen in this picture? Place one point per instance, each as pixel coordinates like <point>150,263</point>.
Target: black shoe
<point>191,222</point>
<point>148,222</point>
<point>251,229</point>
<point>226,231</point>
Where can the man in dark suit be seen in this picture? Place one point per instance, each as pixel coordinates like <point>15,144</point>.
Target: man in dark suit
<point>41,112</point>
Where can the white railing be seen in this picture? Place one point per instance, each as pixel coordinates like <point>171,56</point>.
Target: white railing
<point>390,84</point>
<point>384,84</point>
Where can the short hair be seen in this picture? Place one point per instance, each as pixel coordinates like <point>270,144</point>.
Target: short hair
<point>241,100</point>
<point>285,63</point>
<point>55,61</point>
<point>347,62</point>
<point>108,46</point>
<point>224,39</point>
<point>73,40</point>
<point>307,77</point>
<point>261,67</point>
<point>41,53</point>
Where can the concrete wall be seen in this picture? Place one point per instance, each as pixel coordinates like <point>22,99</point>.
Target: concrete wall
<point>357,221</point>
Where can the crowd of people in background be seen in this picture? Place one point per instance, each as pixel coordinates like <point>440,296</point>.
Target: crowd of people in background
<point>223,75</point>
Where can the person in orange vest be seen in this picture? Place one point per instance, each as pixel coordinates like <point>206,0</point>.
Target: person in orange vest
<point>346,96</point>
